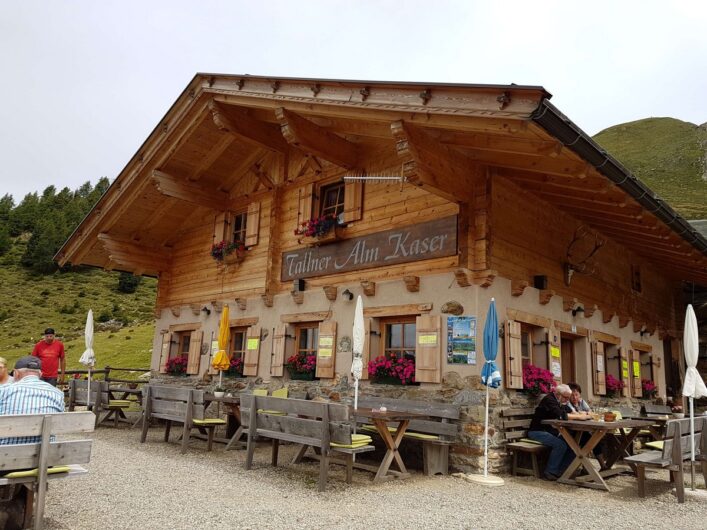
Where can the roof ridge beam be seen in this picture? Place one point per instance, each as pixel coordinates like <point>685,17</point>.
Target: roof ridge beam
<point>263,134</point>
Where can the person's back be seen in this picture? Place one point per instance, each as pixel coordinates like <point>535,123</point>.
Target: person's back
<point>29,395</point>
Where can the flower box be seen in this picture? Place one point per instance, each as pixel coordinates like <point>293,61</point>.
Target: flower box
<point>234,257</point>
<point>302,376</point>
<point>386,380</point>
<point>334,234</point>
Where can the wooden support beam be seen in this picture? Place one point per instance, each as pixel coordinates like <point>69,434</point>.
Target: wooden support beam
<point>573,208</point>
<point>568,304</point>
<point>135,256</point>
<point>412,283</point>
<point>589,310</point>
<point>463,277</point>
<point>551,166</point>
<point>330,291</point>
<point>624,320</point>
<point>263,177</point>
<point>545,295</point>
<point>237,122</point>
<point>190,192</point>
<point>369,288</point>
<point>195,309</point>
<point>297,296</point>
<point>176,310</point>
<point>241,303</point>
<point>311,138</point>
<point>587,200</point>
<point>638,325</point>
<point>523,178</point>
<point>438,168</point>
<point>497,142</point>
<point>518,286</point>
<point>268,299</point>
<point>217,305</point>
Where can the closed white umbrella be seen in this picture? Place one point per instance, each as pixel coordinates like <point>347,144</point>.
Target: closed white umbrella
<point>359,332</point>
<point>89,357</point>
<point>694,387</point>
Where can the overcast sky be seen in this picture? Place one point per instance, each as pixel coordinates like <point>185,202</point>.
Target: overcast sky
<point>84,82</point>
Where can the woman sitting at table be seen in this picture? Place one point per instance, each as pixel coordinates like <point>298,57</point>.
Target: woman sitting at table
<point>552,407</point>
<point>576,403</point>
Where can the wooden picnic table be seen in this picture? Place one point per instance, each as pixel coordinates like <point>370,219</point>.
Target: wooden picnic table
<point>619,437</point>
<point>657,426</point>
<point>234,426</point>
<point>392,440</point>
<point>123,393</point>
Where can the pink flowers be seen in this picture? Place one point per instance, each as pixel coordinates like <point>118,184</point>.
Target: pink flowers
<point>613,385</point>
<point>317,226</point>
<point>649,388</point>
<point>236,367</point>
<point>223,248</point>
<point>399,368</point>
<point>537,380</point>
<point>302,363</point>
<point>178,365</point>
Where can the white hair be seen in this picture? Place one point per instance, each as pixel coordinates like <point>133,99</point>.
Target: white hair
<point>563,389</point>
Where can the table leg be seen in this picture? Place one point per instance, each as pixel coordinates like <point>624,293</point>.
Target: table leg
<point>392,453</point>
<point>622,442</point>
<point>593,479</point>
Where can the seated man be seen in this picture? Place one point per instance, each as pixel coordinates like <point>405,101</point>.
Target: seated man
<point>552,407</point>
<point>27,395</point>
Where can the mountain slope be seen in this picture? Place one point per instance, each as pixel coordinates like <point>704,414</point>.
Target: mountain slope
<point>30,302</point>
<point>669,155</point>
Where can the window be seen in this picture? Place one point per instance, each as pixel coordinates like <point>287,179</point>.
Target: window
<point>332,199</point>
<point>399,337</point>
<point>526,344</point>
<point>238,343</point>
<point>239,226</point>
<point>568,358</point>
<point>183,340</point>
<point>307,338</point>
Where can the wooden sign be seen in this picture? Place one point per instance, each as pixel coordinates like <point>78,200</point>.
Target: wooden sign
<point>434,239</point>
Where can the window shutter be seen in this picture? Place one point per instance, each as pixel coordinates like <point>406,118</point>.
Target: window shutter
<point>194,360</point>
<point>304,212</point>
<point>371,346</point>
<point>428,349</point>
<point>221,231</point>
<point>624,372</point>
<point>599,368</point>
<point>164,354</point>
<point>278,350</point>
<point>554,353</point>
<point>513,355</point>
<point>326,349</point>
<point>252,351</point>
<point>213,350</point>
<point>636,373</point>
<point>353,199</point>
<point>252,224</point>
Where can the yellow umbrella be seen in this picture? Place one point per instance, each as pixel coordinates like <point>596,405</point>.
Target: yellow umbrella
<point>221,360</point>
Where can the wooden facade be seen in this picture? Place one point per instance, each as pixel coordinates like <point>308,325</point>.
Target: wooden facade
<point>258,157</point>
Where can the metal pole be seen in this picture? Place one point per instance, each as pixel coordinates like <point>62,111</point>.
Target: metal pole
<point>486,435</point>
<point>692,444</point>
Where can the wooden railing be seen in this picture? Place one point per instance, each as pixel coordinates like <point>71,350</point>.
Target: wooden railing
<point>105,374</point>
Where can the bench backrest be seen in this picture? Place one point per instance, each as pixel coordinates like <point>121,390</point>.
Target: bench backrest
<point>677,445</point>
<point>440,415</point>
<point>44,426</point>
<point>78,391</point>
<point>649,409</point>
<point>516,422</point>
<point>174,403</point>
<point>315,423</point>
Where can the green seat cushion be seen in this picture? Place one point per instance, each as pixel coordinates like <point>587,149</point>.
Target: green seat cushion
<point>422,436</point>
<point>655,445</point>
<point>35,472</point>
<point>372,428</point>
<point>360,438</point>
<point>121,403</point>
<point>209,421</point>
<point>281,393</point>
<point>349,446</point>
<point>272,412</point>
<point>528,440</point>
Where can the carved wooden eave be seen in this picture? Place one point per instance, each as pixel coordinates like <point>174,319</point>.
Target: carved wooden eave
<point>369,288</point>
<point>435,167</point>
<point>189,192</point>
<point>518,286</point>
<point>311,138</point>
<point>607,315</point>
<point>330,291</point>
<point>133,256</point>
<point>463,277</point>
<point>241,303</point>
<point>485,278</point>
<point>545,295</point>
<point>412,283</point>
<point>238,122</point>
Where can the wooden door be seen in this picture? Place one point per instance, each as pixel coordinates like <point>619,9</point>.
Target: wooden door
<point>554,354</point>
<point>599,368</point>
<point>567,356</point>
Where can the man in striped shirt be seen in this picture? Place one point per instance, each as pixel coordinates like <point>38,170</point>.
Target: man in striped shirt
<point>29,395</point>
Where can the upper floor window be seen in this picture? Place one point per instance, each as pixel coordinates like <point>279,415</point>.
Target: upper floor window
<point>399,337</point>
<point>238,342</point>
<point>332,199</point>
<point>239,226</point>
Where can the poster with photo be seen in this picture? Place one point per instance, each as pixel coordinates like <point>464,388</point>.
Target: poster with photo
<point>461,340</point>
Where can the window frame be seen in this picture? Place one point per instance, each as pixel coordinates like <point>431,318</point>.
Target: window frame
<point>299,328</point>
<point>232,350</point>
<point>242,230</point>
<point>339,205</point>
<point>385,324</point>
<point>183,338</point>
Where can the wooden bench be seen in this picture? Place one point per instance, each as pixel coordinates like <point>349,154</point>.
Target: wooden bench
<point>31,465</point>
<point>323,425</point>
<point>436,433</point>
<point>178,405</point>
<point>676,449</point>
<point>100,401</point>
<point>649,409</point>
<point>516,422</point>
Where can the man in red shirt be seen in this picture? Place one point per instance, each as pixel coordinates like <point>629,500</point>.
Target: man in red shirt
<point>51,352</point>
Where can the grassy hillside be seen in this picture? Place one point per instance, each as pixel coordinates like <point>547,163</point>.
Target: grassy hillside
<point>669,155</point>
<point>29,303</point>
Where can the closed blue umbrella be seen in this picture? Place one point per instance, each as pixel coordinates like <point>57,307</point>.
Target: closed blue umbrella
<point>491,377</point>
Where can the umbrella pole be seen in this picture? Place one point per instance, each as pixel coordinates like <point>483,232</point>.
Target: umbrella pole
<point>692,444</point>
<point>220,378</point>
<point>88,398</point>
<point>486,436</point>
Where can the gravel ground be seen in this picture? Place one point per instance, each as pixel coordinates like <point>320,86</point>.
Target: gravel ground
<point>151,485</point>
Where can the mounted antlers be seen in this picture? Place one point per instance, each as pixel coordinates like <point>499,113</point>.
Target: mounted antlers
<point>583,266</point>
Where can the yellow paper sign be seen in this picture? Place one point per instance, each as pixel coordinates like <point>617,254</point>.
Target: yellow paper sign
<point>326,341</point>
<point>554,351</point>
<point>636,369</point>
<point>253,344</point>
<point>624,369</point>
<point>324,352</point>
<point>428,339</point>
